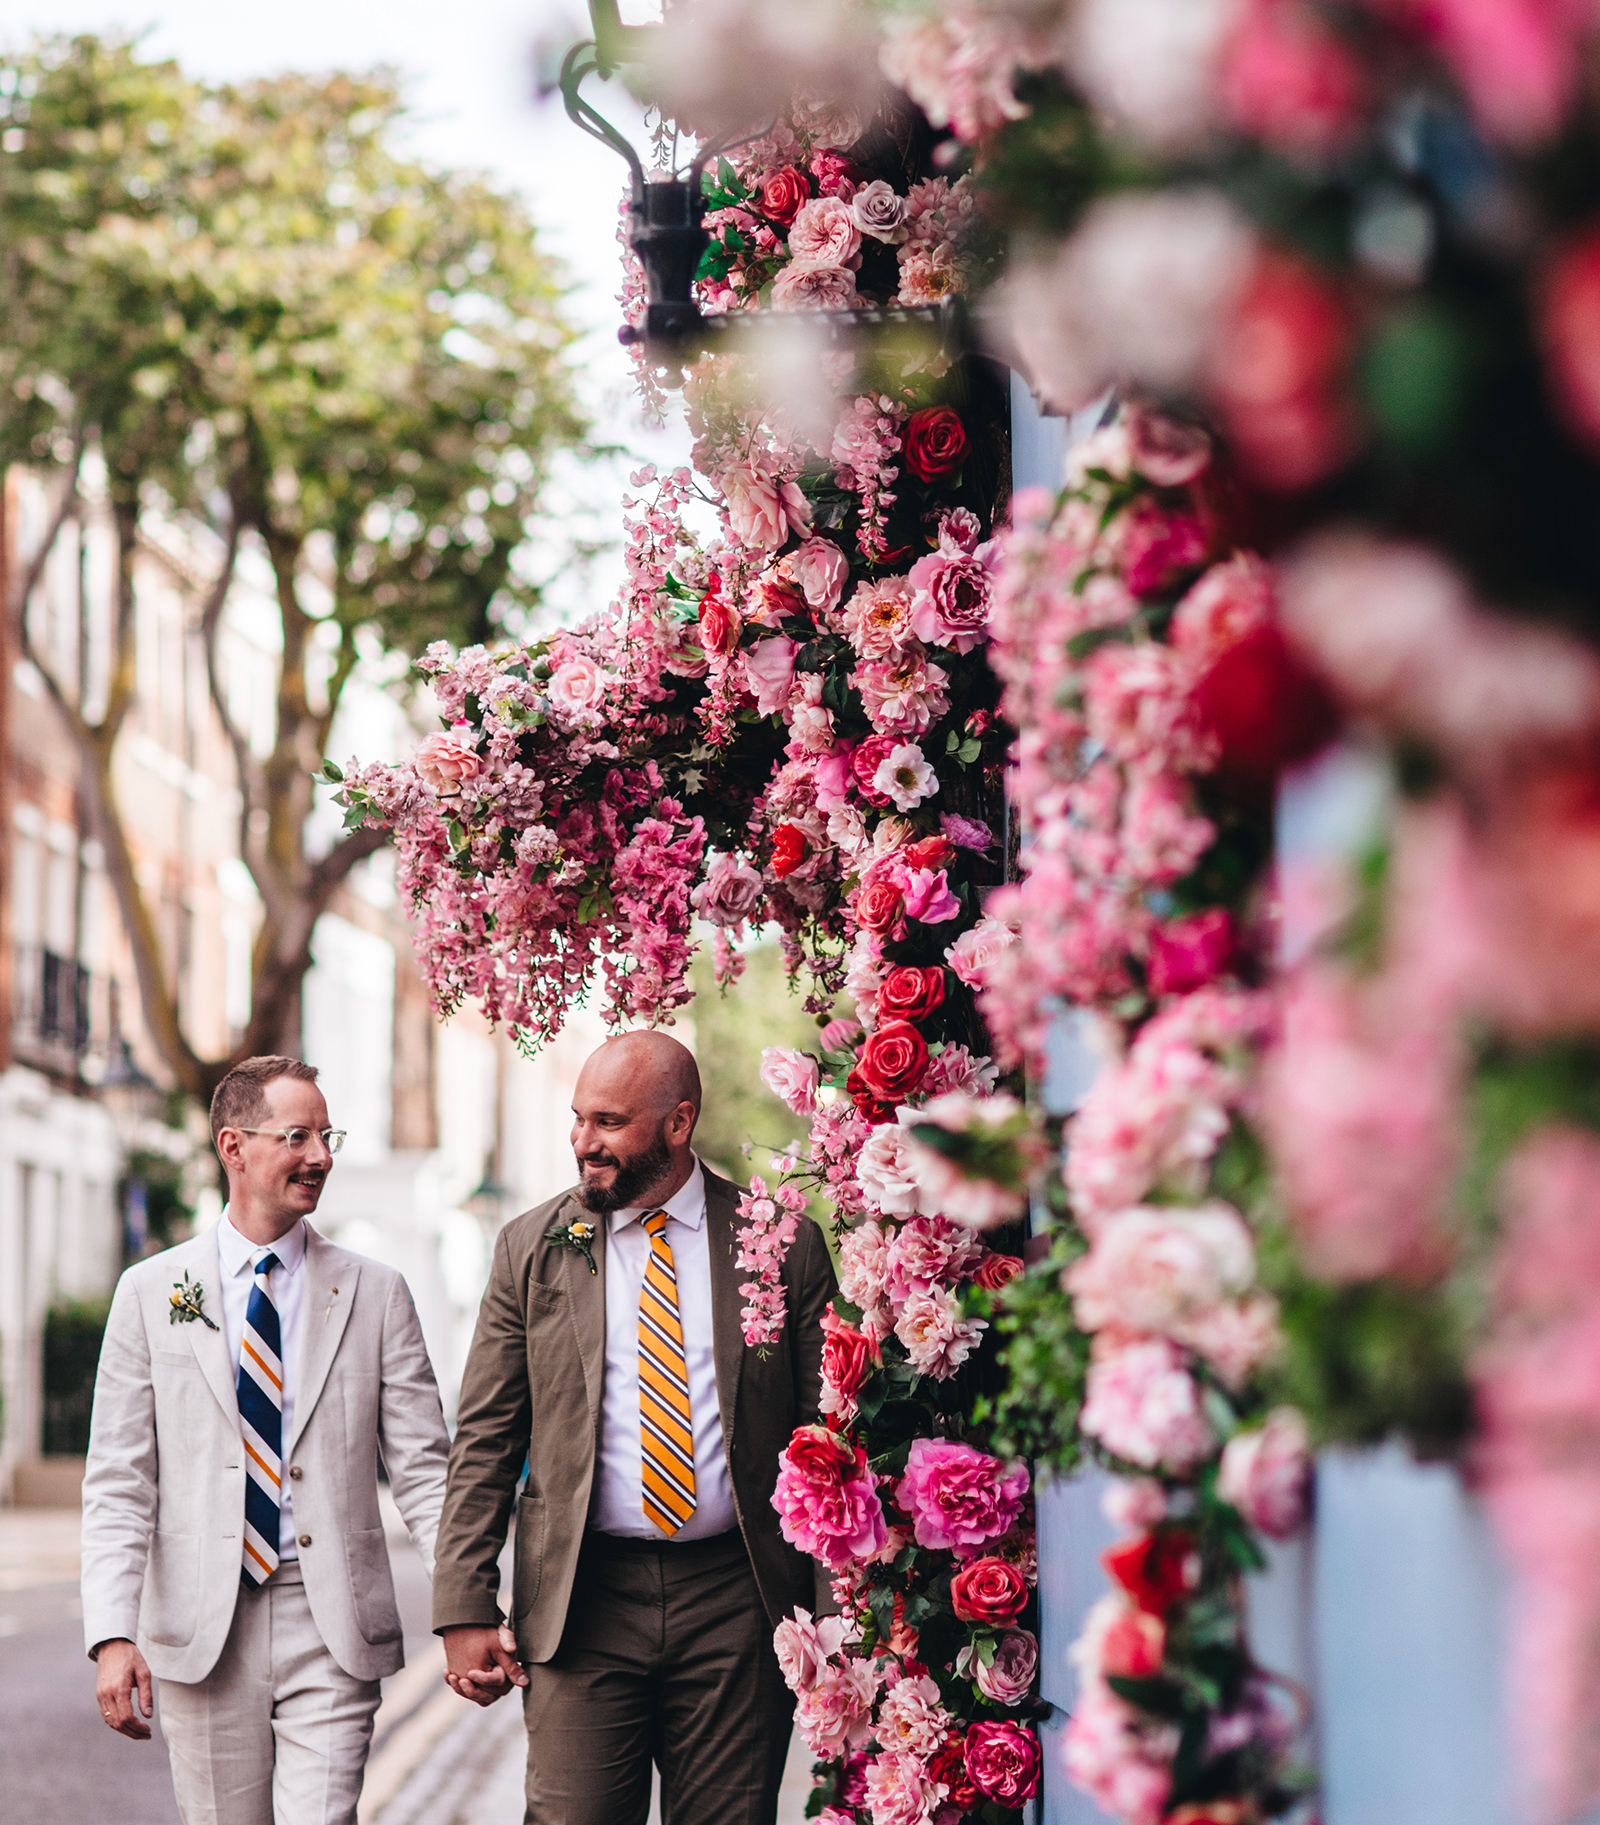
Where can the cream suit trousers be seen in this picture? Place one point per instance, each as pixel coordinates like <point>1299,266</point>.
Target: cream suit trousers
<point>277,1733</point>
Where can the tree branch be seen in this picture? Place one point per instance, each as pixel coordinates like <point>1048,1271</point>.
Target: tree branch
<point>34,570</point>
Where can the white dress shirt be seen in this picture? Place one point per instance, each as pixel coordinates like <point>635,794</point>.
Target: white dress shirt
<point>238,1256</point>
<point>620,1506</point>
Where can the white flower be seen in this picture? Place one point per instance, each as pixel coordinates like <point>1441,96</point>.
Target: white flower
<point>905,777</point>
<point>883,1169</point>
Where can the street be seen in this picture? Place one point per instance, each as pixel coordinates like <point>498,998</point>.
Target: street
<point>434,1761</point>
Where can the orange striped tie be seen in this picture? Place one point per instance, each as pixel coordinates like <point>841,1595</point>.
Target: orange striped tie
<point>666,1434</point>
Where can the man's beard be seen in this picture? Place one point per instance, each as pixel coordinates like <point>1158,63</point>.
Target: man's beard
<point>633,1178</point>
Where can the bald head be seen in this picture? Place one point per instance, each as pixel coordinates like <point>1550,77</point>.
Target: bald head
<point>634,1111</point>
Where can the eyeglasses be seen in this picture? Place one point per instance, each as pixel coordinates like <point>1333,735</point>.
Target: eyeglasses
<point>297,1140</point>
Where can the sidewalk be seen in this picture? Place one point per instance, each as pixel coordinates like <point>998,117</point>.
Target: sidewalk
<point>38,1546</point>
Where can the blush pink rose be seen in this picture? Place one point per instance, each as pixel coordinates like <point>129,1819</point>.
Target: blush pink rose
<point>1009,1677</point>
<point>959,1498</point>
<point>446,762</point>
<point>975,950</point>
<point>824,233</point>
<point>804,1647</point>
<point>1144,1406</point>
<point>1003,1760</point>
<point>769,671</point>
<point>884,1173</point>
<point>729,894</point>
<point>577,685</point>
<point>821,569</point>
<point>762,510</point>
<point>791,1076</point>
<point>801,286</point>
<point>1266,1474</point>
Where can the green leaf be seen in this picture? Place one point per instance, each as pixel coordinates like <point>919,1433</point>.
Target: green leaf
<point>332,774</point>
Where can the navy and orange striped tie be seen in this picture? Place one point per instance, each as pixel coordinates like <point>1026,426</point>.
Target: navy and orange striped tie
<point>666,1430</point>
<point>261,1422</point>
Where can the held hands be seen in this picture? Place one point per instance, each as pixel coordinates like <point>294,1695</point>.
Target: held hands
<point>481,1663</point>
<point>120,1674</point>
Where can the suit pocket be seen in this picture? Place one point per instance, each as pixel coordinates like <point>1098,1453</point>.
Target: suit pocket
<point>371,1586</point>
<point>170,1605</point>
<point>527,1571</point>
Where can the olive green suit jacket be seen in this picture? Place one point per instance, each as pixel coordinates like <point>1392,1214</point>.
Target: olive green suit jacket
<point>532,1392</point>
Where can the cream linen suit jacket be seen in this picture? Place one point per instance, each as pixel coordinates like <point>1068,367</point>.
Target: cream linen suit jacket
<point>163,1495</point>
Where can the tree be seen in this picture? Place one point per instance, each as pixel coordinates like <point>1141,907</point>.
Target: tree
<point>267,321</point>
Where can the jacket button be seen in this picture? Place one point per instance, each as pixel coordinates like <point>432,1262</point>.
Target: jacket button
<point>305,1539</point>
<point>296,1472</point>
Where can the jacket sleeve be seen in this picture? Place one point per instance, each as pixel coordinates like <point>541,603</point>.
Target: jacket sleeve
<point>493,1424</point>
<point>814,1286</point>
<point>411,1428</point>
<point>119,1480</point>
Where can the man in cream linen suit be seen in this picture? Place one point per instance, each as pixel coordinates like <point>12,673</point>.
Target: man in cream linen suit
<point>232,1544</point>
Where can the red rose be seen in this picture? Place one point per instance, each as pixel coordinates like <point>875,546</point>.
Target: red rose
<point>873,1108</point>
<point>1188,953</point>
<point>935,443</point>
<point>848,1358</point>
<point>1265,710</point>
<point>1134,1646</point>
<point>893,1062</point>
<point>783,194</point>
<point>995,1270</point>
<point>1156,1569</point>
<point>821,1458</point>
<point>1569,330</point>
<point>880,907</point>
<point>989,1591</point>
<point>719,625</point>
<point>948,1765</point>
<point>866,760</point>
<point>911,994</point>
<point>789,849</point>
<point>928,852</point>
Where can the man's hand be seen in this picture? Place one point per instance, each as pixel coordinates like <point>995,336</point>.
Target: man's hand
<point>120,1674</point>
<point>481,1663</point>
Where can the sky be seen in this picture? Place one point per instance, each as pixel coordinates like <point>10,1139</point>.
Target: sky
<point>469,71</point>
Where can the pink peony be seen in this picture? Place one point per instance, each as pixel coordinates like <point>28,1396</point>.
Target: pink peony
<point>825,233</point>
<point>729,894</point>
<point>1144,1406</point>
<point>446,762</point>
<point>805,287</point>
<point>1119,1764</point>
<point>973,952</point>
<point>1233,599</point>
<point>1009,1677</point>
<point>911,1719</point>
<point>834,1715</point>
<point>827,1505</point>
<point>933,1333</point>
<point>769,669</point>
<point>1134,1503</point>
<point>959,1498</point>
<point>900,1790</point>
<point>1266,1474</point>
<point>1158,1270</point>
<point>791,1076</point>
<point>1003,1760</point>
<point>950,603</point>
<point>864,1265</point>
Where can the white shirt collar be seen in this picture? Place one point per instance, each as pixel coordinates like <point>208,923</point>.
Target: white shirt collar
<point>238,1253</point>
<point>687,1205</point>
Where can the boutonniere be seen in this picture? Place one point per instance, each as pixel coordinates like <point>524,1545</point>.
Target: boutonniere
<point>579,1237</point>
<point>188,1303</point>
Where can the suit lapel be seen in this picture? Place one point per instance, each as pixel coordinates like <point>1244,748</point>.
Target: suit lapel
<point>727,1328</point>
<point>586,1300</point>
<point>200,1258</point>
<point>331,1277</point>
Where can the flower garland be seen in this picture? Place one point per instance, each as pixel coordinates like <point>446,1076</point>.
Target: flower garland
<point>1122,639</point>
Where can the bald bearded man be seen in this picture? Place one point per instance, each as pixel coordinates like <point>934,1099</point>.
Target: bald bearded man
<point>649,1569</point>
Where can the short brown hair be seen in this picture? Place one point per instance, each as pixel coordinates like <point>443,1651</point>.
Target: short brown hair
<point>240,1101</point>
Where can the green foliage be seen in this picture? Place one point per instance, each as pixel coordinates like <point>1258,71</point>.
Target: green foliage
<point>1046,1360</point>
<point>72,1336</point>
<point>164,1185</point>
<point>730,1033</point>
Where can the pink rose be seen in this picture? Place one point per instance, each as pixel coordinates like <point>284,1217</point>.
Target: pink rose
<point>769,671</point>
<point>791,1076</point>
<point>976,949</point>
<point>1266,1474</point>
<point>927,895</point>
<point>1003,1760</point>
<point>835,1714</point>
<point>990,1592</point>
<point>1160,1269</point>
<point>864,1265</point>
<point>821,569</point>
<point>1186,954</point>
<point>959,1498</point>
<point>1009,1677</point>
<point>824,233</point>
<point>1233,599</point>
<point>762,511</point>
<point>577,685</point>
<point>783,194</point>
<point>950,600</point>
<point>826,1502</point>
<point>879,211</point>
<point>1144,1406</point>
<point>1164,450</point>
<point>1106,1753</point>
<point>933,1333</point>
<point>883,1171</point>
<point>446,762</point>
<point>729,894</point>
<point>804,1647</point>
<point>804,287</point>
<point>865,762</point>
<point>1155,545</point>
<point>835,775</point>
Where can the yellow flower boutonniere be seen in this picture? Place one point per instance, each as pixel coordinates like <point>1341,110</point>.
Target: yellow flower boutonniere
<point>577,1236</point>
<point>188,1303</point>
